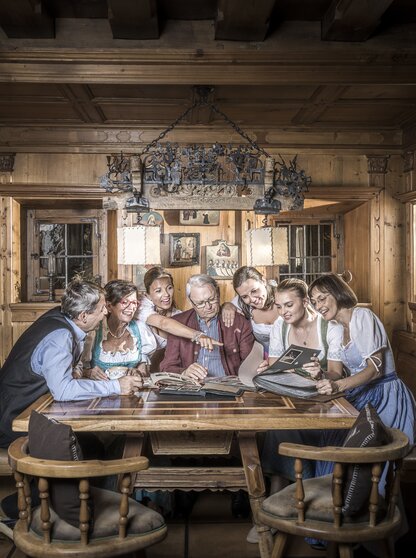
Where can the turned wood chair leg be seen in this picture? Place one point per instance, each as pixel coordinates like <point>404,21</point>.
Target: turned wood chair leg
<point>279,545</point>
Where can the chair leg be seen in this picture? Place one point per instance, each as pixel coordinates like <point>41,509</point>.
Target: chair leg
<point>346,551</point>
<point>279,545</point>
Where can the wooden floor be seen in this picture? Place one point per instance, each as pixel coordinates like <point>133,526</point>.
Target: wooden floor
<point>210,532</point>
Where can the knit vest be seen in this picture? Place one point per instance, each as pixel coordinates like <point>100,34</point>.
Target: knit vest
<point>20,386</point>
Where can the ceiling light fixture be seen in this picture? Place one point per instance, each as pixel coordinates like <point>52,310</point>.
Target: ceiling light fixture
<point>199,174</point>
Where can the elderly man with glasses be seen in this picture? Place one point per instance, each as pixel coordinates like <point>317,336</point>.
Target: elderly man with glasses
<point>186,356</point>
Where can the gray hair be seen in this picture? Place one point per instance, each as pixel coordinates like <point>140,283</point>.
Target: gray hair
<point>200,280</point>
<point>80,296</point>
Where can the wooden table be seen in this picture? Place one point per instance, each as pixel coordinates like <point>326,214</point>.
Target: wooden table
<point>195,426</point>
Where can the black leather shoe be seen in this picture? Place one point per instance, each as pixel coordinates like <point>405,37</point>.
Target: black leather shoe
<point>240,504</point>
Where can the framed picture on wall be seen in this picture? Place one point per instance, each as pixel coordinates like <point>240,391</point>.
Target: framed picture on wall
<point>221,259</point>
<point>183,249</point>
<point>194,217</point>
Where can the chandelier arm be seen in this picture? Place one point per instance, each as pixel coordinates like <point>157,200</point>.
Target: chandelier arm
<point>237,128</point>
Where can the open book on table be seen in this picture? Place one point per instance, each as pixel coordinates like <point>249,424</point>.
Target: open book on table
<point>174,384</point>
<point>287,377</point>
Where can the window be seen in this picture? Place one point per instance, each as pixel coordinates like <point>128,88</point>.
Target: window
<point>73,238</point>
<point>310,251</point>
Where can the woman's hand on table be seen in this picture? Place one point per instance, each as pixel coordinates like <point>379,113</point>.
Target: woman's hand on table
<point>195,372</point>
<point>327,387</point>
<point>130,384</point>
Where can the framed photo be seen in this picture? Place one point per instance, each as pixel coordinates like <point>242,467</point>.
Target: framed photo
<point>151,218</point>
<point>221,259</point>
<point>194,217</point>
<point>183,249</point>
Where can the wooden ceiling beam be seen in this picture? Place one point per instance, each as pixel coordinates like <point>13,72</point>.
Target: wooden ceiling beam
<point>352,20</point>
<point>249,23</point>
<point>26,19</point>
<point>133,19</point>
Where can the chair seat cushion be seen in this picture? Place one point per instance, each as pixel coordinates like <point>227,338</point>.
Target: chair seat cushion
<point>141,519</point>
<point>318,502</point>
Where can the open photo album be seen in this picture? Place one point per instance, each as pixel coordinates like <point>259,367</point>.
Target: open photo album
<point>173,384</point>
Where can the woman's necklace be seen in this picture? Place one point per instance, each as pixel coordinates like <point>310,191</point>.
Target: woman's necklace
<point>308,329</point>
<point>120,335</point>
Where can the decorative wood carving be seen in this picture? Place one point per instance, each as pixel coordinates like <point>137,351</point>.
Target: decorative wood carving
<point>7,162</point>
<point>377,164</point>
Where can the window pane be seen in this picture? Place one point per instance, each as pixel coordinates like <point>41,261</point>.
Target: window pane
<point>79,239</point>
<point>80,265</point>
<point>52,238</point>
<point>309,252</point>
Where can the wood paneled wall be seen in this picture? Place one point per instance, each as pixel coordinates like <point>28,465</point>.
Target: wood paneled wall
<point>374,239</point>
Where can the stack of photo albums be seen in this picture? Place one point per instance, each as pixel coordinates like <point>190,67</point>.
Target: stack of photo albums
<point>286,376</point>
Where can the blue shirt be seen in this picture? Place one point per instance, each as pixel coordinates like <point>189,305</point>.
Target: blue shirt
<point>211,359</point>
<point>53,358</point>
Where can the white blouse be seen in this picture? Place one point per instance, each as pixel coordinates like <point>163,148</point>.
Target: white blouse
<point>261,332</point>
<point>369,336</point>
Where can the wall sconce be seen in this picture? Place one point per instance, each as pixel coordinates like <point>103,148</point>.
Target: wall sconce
<point>138,245</point>
<point>267,246</point>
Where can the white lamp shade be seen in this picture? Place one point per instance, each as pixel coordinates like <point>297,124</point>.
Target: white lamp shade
<point>267,246</point>
<point>139,245</point>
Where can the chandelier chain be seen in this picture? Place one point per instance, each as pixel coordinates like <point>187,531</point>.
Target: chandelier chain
<point>171,126</point>
<point>237,128</point>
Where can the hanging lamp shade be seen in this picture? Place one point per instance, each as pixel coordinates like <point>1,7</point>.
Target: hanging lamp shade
<point>138,245</point>
<point>267,246</point>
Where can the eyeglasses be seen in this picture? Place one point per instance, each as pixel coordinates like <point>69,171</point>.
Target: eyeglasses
<point>126,303</point>
<point>211,302</point>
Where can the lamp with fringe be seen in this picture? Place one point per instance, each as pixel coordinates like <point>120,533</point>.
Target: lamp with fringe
<point>267,246</point>
<point>138,245</point>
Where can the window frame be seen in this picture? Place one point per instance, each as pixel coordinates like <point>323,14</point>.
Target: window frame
<point>36,217</point>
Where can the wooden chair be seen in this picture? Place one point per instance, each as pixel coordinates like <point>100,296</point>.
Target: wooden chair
<point>5,471</point>
<point>121,525</point>
<point>314,507</point>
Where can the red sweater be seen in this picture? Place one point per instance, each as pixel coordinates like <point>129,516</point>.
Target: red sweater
<point>237,342</point>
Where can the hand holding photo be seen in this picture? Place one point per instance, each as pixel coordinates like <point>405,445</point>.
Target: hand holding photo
<point>294,357</point>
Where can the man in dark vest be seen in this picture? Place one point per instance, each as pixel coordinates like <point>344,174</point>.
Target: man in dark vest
<point>44,357</point>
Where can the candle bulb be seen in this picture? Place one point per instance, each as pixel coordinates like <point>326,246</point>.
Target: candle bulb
<point>51,264</point>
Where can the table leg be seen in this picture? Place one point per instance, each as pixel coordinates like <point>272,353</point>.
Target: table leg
<point>256,487</point>
<point>133,446</point>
